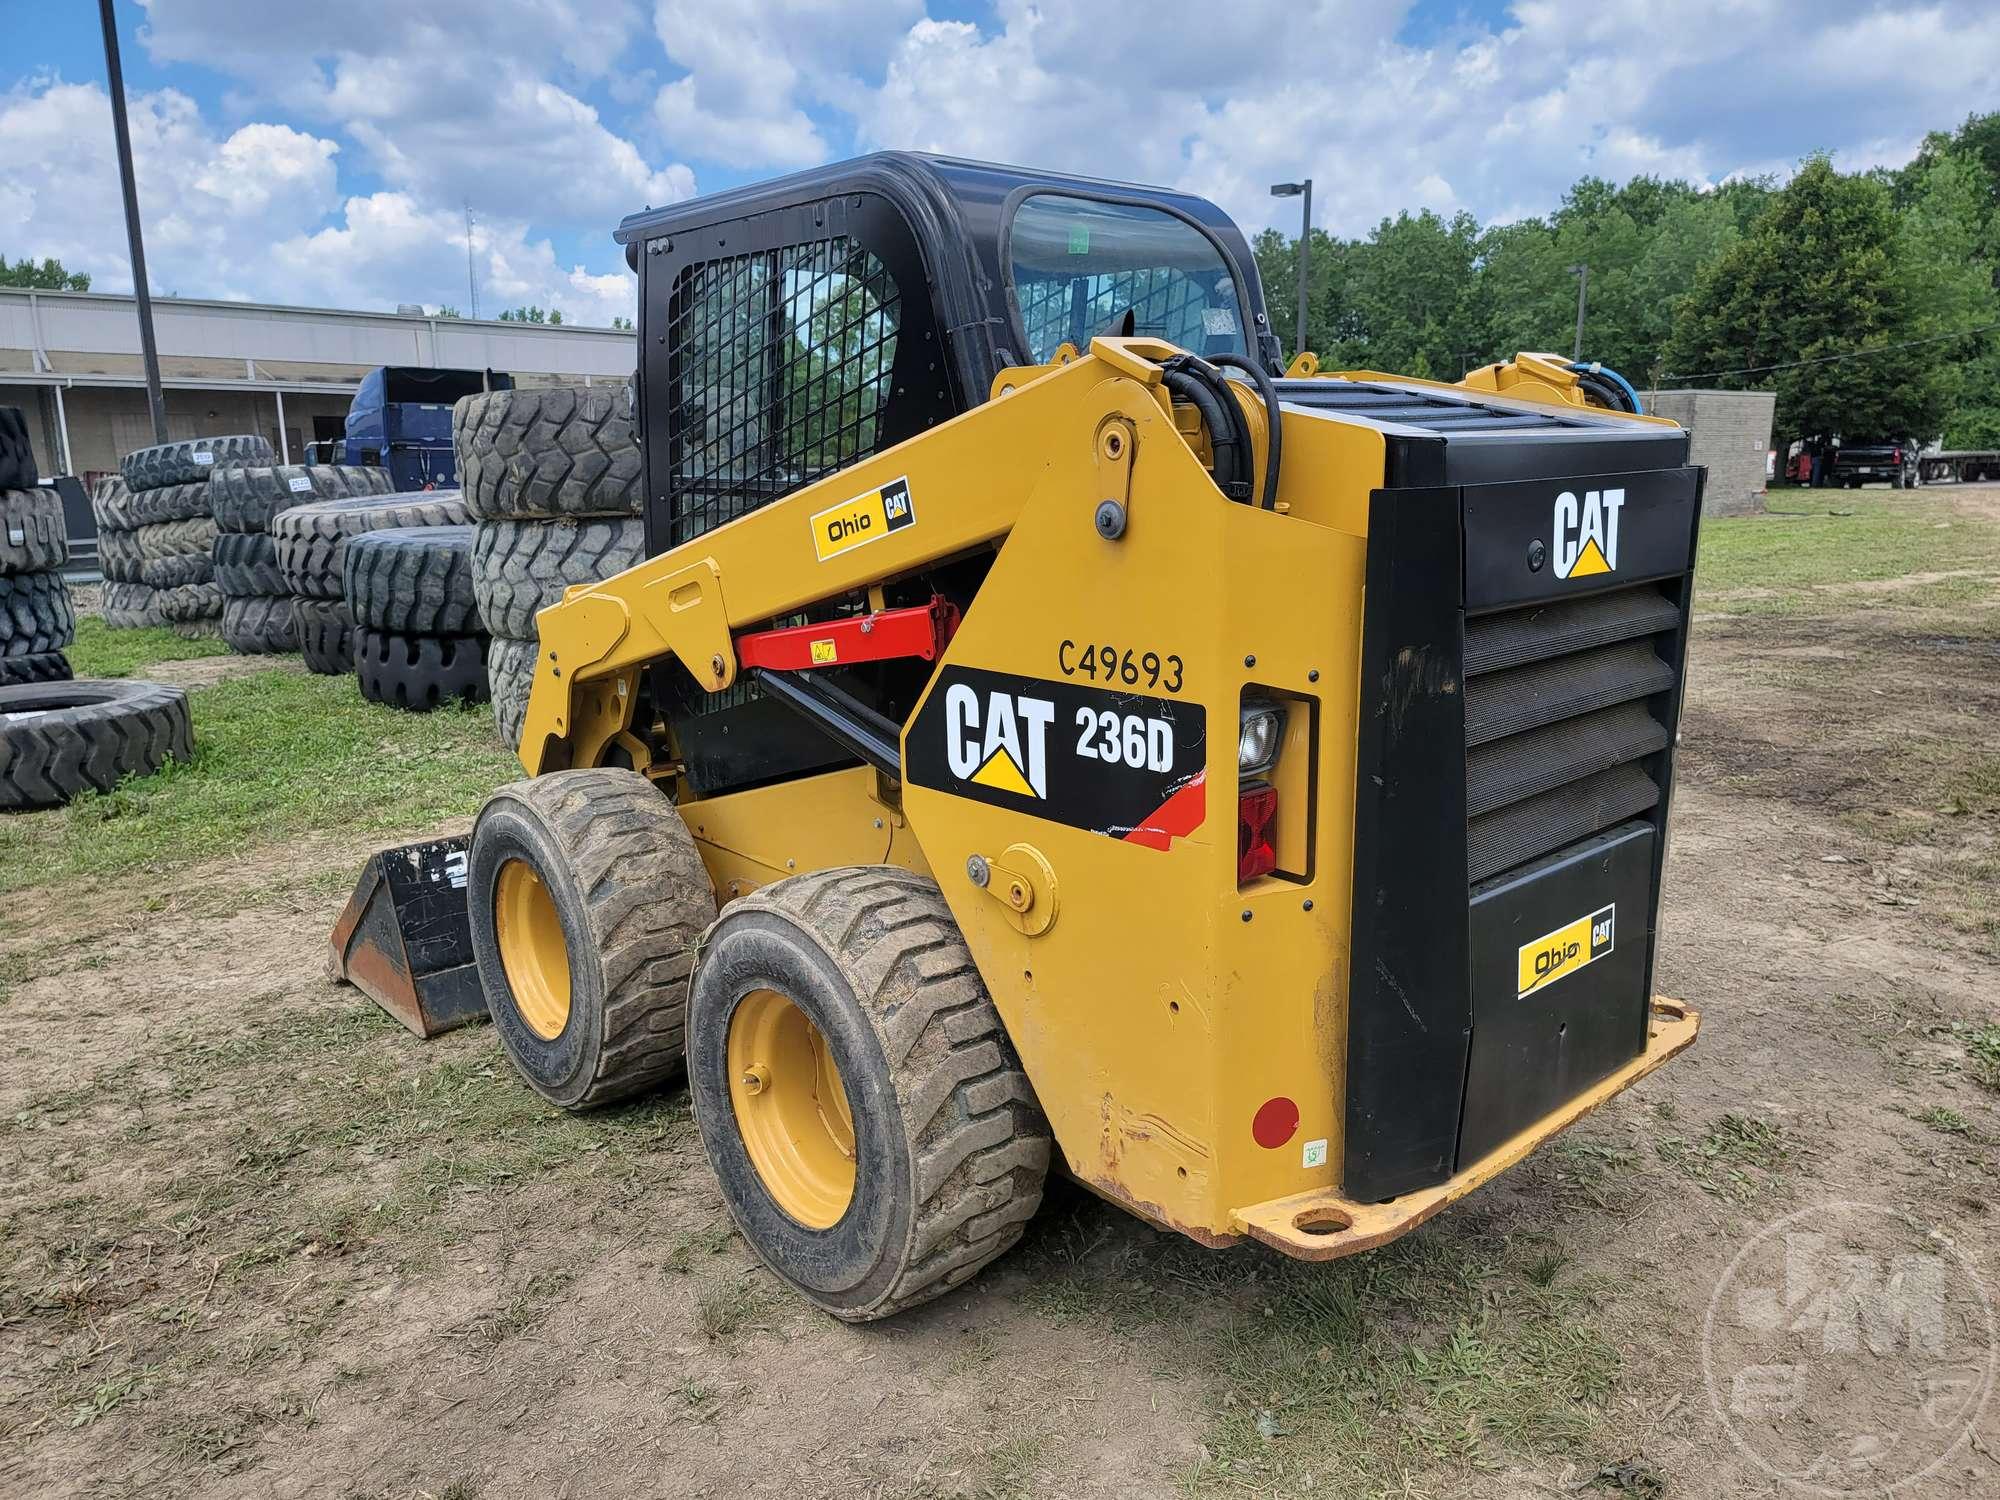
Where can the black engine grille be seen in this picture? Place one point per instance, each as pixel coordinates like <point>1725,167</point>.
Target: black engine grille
<point>1564,708</point>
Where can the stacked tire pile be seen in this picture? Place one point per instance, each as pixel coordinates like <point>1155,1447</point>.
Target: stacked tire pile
<point>36,620</point>
<point>407,625</point>
<point>58,737</point>
<point>156,534</point>
<point>554,480</point>
<point>258,611</point>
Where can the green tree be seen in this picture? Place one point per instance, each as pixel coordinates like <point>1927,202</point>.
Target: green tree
<point>619,320</point>
<point>1819,274</point>
<point>49,276</point>
<point>530,315</point>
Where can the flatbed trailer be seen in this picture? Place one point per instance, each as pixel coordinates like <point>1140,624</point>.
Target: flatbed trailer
<point>1960,466</point>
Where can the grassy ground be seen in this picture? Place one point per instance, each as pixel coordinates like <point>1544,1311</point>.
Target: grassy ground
<point>278,753</point>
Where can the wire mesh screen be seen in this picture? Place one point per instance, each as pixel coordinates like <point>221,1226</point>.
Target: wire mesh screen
<point>783,361</point>
<point>1166,303</point>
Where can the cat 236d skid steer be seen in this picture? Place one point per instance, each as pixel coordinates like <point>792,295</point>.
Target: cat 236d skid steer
<point>1242,787</point>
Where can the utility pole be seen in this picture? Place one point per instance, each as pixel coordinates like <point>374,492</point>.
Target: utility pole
<point>471,281</point>
<point>1582,274</point>
<point>1297,190</point>
<point>115,77</point>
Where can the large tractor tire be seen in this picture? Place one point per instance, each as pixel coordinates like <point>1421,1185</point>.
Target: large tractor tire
<point>191,462</point>
<point>557,451</point>
<point>587,899</point>
<point>58,739</point>
<point>418,673</point>
<point>876,1138</point>
<point>118,555</point>
<point>326,635</point>
<point>259,624</point>
<point>178,570</point>
<point>17,454</point>
<point>35,614</point>
<point>412,579</point>
<point>312,539</point>
<point>246,563</point>
<point>34,538</point>
<point>510,672</point>
<point>191,536</point>
<point>520,568</point>
<point>48,666</point>
<point>244,500</point>
<point>174,502</point>
<point>132,606</point>
<point>107,503</point>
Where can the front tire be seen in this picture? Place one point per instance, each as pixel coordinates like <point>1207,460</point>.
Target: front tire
<point>586,898</point>
<point>875,1136</point>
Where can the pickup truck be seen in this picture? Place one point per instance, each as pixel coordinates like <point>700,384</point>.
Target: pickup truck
<point>1856,464</point>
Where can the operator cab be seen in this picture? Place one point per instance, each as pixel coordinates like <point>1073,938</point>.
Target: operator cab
<point>792,328</point>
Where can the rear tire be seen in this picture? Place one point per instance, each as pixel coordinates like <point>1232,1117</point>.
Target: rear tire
<point>587,899</point>
<point>949,1147</point>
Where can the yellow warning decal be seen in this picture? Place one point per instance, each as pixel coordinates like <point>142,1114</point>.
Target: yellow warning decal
<point>1575,945</point>
<point>824,652</point>
<point>864,519</point>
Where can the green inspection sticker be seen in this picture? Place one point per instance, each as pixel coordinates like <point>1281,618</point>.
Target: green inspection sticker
<point>1079,241</point>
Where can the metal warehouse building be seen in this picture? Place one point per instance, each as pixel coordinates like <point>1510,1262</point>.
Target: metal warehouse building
<point>71,362</point>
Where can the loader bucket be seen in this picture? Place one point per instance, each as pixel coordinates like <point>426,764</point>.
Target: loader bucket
<point>403,939</point>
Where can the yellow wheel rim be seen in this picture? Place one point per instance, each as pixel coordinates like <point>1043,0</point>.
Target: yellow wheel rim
<point>532,950</point>
<point>791,1109</point>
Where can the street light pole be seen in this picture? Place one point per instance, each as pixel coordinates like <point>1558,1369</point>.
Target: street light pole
<point>1582,274</point>
<point>115,77</point>
<point>1300,190</point>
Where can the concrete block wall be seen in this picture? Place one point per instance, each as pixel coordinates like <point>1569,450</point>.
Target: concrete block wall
<point>1729,433</point>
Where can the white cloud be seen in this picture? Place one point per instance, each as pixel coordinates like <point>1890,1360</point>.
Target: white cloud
<point>254,214</point>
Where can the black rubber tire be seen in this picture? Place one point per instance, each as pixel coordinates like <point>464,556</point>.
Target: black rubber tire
<point>17,454</point>
<point>173,572</point>
<point>414,580</point>
<point>326,635</point>
<point>510,672</point>
<point>34,537</point>
<point>951,1148</point>
<point>108,499</point>
<point>200,628</point>
<point>245,499</point>
<point>49,666</point>
<point>246,563</point>
<point>131,606</point>
<point>190,604</point>
<point>556,451</point>
<point>259,624</point>
<point>419,672</point>
<point>118,555</point>
<point>311,539</point>
<point>629,889</point>
<point>35,614</point>
<point>177,502</point>
<point>61,738</point>
<point>520,568</point>
<point>191,462</point>
<point>193,536</point>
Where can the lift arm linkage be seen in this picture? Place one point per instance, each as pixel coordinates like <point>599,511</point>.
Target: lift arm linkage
<point>962,486</point>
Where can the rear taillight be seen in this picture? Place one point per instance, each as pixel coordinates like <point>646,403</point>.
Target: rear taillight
<point>1895,455</point>
<point>1256,823</point>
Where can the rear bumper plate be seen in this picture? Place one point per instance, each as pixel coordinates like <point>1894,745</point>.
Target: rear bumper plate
<point>1325,1226</point>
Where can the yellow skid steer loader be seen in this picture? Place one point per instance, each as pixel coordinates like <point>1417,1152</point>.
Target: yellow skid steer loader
<point>1242,788</point>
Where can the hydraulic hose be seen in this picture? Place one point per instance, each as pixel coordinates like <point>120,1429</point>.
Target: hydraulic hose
<point>1268,389</point>
<point>1181,377</point>
<point>1610,387</point>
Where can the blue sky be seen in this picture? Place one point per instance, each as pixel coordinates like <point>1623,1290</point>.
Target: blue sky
<point>325,153</point>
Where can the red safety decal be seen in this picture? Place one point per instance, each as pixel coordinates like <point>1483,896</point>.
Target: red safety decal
<point>1175,818</point>
<point>1277,1121</point>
